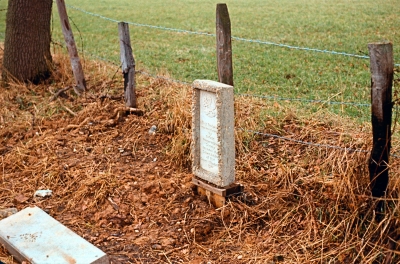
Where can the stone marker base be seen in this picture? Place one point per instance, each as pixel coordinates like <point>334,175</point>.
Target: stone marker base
<point>216,195</point>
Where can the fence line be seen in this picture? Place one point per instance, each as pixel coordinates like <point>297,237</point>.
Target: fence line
<point>233,37</point>
<point>326,146</point>
<point>248,40</point>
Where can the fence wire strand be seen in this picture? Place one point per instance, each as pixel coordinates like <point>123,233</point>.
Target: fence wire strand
<point>262,42</point>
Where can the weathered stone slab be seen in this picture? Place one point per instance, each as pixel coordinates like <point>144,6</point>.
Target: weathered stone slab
<point>213,132</point>
<point>34,236</point>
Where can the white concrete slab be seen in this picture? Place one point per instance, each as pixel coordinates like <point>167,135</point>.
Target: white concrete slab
<point>32,235</point>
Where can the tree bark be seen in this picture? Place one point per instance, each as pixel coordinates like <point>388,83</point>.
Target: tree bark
<point>27,54</point>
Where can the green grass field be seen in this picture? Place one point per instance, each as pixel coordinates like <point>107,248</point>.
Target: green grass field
<point>343,26</point>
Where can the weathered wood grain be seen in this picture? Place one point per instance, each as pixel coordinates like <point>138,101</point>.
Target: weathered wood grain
<point>72,50</point>
<point>128,65</point>
<point>224,45</point>
<point>381,59</point>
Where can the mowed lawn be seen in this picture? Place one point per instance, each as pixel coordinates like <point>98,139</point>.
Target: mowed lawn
<point>271,70</point>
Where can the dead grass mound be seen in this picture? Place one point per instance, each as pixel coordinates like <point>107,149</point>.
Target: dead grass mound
<point>129,192</point>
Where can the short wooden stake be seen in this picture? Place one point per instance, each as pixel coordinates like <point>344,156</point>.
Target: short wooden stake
<point>128,65</point>
<point>381,59</point>
<point>72,50</point>
<point>224,45</point>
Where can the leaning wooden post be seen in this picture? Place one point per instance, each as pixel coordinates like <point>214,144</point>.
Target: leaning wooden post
<point>381,59</point>
<point>224,45</point>
<point>72,50</point>
<point>128,64</point>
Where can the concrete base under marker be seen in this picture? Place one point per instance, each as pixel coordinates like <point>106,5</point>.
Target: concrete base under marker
<point>32,235</point>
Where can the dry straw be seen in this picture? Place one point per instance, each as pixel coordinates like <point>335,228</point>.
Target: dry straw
<point>129,192</point>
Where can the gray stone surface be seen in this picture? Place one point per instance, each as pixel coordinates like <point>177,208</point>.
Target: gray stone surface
<point>213,132</point>
<point>34,236</point>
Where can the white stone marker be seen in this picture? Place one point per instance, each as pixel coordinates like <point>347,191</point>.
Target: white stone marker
<point>213,132</point>
<point>34,236</point>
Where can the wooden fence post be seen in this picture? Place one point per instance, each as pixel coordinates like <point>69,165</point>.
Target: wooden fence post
<point>224,45</point>
<point>381,59</point>
<point>72,50</point>
<point>128,64</point>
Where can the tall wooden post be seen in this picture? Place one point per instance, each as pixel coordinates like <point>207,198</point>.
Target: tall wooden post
<point>381,59</point>
<point>128,64</point>
<point>224,45</point>
<point>72,50</point>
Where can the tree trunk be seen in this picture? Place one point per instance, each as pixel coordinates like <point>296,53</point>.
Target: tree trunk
<point>27,55</point>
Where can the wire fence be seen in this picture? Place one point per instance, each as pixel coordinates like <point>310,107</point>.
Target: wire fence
<point>276,98</point>
<point>262,42</point>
